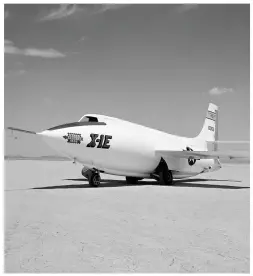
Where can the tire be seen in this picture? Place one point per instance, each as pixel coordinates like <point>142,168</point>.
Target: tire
<point>166,177</point>
<point>94,180</point>
<point>132,180</point>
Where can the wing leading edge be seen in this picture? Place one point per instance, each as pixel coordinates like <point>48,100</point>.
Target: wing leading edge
<point>203,154</point>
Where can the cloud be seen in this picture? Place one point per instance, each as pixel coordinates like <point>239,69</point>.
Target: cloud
<point>10,48</point>
<point>6,14</point>
<point>6,41</point>
<point>12,73</point>
<point>186,7</point>
<point>17,69</point>
<point>220,90</point>
<point>65,10</point>
<point>45,53</point>
<point>107,7</point>
<point>83,38</point>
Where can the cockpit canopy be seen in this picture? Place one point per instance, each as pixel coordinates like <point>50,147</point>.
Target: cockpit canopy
<point>88,119</point>
<point>97,119</point>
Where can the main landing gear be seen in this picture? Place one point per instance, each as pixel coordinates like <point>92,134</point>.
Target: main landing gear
<point>163,174</point>
<point>93,176</point>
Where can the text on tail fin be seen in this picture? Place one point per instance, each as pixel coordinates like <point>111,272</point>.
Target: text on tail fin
<point>209,130</point>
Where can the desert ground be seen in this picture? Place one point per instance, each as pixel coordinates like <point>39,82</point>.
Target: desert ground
<point>54,222</point>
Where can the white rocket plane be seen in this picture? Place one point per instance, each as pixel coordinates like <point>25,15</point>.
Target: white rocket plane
<point>118,147</point>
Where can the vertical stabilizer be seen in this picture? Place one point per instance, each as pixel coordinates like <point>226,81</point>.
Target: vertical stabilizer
<point>209,131</point>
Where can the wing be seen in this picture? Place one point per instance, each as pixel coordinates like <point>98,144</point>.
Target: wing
<point>203,154</point>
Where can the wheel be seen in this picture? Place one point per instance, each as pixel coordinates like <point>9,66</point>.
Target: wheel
<point>132,180</point>
<point>94,180</point>
<point>166,177</point>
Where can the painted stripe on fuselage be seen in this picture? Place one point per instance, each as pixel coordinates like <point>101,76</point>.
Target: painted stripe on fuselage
<point>75,124</point>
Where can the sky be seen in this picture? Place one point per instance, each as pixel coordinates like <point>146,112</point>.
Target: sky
<point>156,65</point>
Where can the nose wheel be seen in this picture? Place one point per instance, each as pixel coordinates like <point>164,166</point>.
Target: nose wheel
<point>92,175</point>
<point>94,180</point>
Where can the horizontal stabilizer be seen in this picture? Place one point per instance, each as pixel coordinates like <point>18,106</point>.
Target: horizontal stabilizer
<point>22,130</point>
<point>203,154</point>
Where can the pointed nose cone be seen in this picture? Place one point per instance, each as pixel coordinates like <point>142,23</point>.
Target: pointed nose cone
<point>49,134</point>
<point>53,138</point>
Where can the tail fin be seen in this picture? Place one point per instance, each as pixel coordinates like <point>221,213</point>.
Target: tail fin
<point>209,131</point>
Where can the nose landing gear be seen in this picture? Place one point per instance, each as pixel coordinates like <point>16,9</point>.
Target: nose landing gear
<point>93,176</point>
<point>94,180</point>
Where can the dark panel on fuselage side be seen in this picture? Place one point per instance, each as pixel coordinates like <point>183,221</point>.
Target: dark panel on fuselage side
<point>75,124</point>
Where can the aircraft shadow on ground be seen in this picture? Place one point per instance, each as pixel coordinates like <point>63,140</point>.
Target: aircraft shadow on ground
<point>111,183</point>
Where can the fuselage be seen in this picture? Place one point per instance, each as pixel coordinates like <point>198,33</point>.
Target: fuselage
<point>120,147</point>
